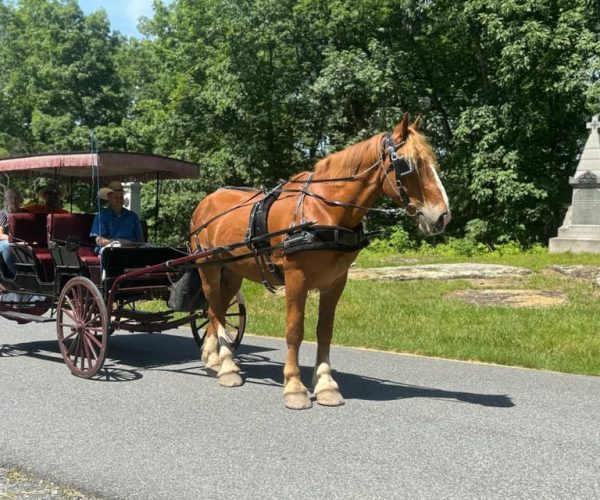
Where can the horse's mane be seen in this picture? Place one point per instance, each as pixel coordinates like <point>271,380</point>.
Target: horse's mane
<point>418,146</point>
<point>349,161</point>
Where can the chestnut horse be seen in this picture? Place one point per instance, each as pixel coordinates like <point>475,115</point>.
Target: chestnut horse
<point>340,191</point>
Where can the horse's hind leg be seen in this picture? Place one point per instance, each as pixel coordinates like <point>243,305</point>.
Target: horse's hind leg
<point>220,285</point>
<point>210,347</point>
<point>326,389</point>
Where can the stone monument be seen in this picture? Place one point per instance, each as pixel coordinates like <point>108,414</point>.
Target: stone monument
<point>580,231</point>
<point>132,192</point>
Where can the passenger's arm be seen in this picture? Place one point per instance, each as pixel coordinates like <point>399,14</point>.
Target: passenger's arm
<point>101,241</point>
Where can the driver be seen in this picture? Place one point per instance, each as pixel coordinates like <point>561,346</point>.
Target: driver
<point>115,223</point>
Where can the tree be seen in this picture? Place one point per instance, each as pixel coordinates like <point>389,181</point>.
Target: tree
<point>59,78</point>
<point>254,91</point>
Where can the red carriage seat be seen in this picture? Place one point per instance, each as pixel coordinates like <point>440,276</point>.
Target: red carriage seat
<point>64,226</point>
<point>31,229</point>
<point>28,228</point>
<point>68,226</point>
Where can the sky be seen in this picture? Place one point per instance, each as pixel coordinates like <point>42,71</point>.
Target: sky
<point>123,14</point>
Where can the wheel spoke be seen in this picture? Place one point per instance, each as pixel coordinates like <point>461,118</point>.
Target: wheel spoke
<point>96,329</point>
<point>91,350</point>
<point>85,354</point>
<point>85,306</point>
<point>72,344</point>
<point>73,308</point>
<point>73,332</point>
<point>75,355</point>
<point>77,300</point>
<point>90,317</point>
<point>70,315</point>
<point>91,337</point>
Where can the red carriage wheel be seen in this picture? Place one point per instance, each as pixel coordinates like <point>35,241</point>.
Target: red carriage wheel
<point>82,327</point>
<point>235,320</point>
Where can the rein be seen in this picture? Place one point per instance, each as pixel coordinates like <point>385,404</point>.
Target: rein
<point>401,165</point>
<point>347,204</point>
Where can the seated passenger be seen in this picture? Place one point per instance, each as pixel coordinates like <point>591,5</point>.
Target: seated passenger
<point>49,200</point>
<point>115,223</point>
<point>12,205</point>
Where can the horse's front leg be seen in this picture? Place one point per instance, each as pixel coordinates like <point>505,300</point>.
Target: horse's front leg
<point>295,395</point>
<point>326,389</point>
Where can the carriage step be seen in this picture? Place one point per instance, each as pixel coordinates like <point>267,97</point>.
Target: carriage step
<point>142,315</point>
<point>14,315</point>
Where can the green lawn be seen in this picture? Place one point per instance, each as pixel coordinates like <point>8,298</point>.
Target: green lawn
<point>419,316</point>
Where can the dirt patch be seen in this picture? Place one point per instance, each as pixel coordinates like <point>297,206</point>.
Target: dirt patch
<point>439,272</point>
<point>404,261</point>
<point>495,282</point>
<point>511,298</point>
<point>577,271</point>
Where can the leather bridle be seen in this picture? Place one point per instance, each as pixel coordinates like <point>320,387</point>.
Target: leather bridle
<point>401,165</point>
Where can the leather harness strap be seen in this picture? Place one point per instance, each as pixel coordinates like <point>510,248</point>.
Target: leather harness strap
<point>258,226</point>
<point>310,238</point>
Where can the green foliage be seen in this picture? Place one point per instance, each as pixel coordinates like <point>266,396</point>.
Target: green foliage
<point>58,77</point>
<point>255,91</point>
<point>397,240</point>
<point>436,323</point>
<point>177,200</point>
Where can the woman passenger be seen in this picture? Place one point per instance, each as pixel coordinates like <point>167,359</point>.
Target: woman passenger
<point>12,205</point>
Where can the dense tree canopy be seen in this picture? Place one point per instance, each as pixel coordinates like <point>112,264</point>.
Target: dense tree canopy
<point>254,90</point>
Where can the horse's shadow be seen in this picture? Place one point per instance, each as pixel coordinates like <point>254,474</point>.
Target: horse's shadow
<point>261,370</point>
<point>129,355</point>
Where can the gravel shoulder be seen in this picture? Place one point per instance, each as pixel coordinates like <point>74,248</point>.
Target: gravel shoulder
<point>17,484</point>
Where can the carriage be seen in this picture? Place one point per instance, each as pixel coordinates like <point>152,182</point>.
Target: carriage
<point>303,234</point>
<point>60,278</point>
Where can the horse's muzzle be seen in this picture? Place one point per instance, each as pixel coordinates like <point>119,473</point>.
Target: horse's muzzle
<point>431,222</point>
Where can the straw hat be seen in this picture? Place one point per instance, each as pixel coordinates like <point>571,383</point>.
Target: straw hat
<point>112,186</point>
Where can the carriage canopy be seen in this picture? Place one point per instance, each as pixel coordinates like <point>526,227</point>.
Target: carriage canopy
<point>109,165</point>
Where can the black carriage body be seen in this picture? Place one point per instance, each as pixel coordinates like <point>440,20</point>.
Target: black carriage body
<point>49,250</point>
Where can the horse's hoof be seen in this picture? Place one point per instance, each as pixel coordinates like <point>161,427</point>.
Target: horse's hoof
<point>297,401</point>
<point>330,397</point>
<point>231,379</point>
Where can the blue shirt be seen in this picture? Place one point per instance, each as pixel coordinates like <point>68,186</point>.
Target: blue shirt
<point>125,225</point>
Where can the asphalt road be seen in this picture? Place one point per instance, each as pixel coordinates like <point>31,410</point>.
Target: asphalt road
<point>155,426</point>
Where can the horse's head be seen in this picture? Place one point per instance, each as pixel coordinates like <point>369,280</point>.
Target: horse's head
<point>412,179</point>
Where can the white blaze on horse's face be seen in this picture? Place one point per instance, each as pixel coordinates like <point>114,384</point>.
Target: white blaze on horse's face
<point>434,214</point>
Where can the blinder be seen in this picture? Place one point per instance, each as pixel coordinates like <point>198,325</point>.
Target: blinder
<point>401,165</point>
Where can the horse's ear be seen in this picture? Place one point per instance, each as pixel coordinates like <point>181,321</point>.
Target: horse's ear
<point>401,130</point>
<point>418,123</point>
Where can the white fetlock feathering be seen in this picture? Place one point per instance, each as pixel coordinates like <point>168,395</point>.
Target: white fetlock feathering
<point>324,379</point>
